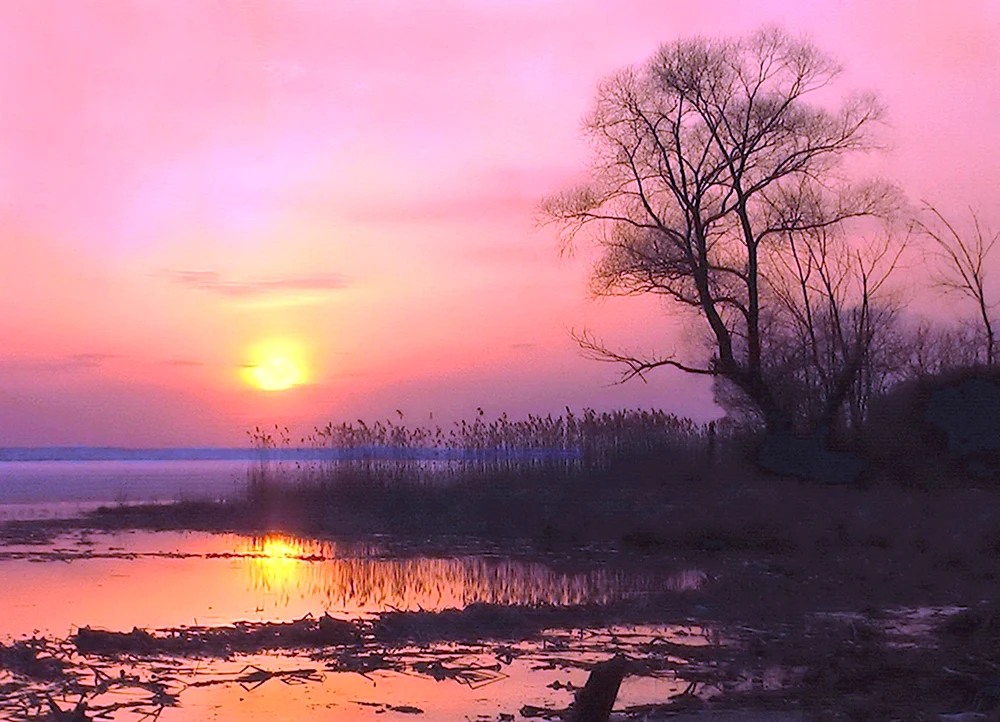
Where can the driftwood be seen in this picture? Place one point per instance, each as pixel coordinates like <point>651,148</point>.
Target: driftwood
<point>34,658</point>
<point>58,714</point>
<point>594,702</point>
<point>241,637</point>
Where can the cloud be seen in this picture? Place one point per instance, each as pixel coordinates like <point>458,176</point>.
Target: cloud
<point>91,359</point>
<point>68,363</point>
<point>211,282</point>
<point>179,362</point>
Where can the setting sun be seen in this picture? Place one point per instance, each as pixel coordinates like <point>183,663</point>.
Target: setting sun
<point>275,366</point>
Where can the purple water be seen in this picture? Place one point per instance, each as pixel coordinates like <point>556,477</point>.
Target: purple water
<point>33,489</point>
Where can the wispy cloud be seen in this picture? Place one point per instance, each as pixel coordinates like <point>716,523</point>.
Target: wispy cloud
<point>180,362</point>
<point>212,282</point>
<point>91,359</point>
<point>68,363</point>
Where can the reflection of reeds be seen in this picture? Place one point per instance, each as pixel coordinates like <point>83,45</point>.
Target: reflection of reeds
<point>287,566</point>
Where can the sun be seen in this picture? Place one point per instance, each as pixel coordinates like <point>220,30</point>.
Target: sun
<point>275,365</point>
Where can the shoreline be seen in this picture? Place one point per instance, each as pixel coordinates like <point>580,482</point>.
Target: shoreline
<point>804,572</point>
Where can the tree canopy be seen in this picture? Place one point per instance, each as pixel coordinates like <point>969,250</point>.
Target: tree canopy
<point>718,183</point>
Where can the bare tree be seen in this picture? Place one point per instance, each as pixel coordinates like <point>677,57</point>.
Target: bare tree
<point>923,348</point>
<point>712,164</point>
<point>960,267</point>
<point>831,349</point>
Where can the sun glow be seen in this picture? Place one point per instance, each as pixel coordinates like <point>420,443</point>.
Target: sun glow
<point>275,366</point>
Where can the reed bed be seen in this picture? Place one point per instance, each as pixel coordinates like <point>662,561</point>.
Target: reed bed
<point>514,475</point>
<point>388,452</point>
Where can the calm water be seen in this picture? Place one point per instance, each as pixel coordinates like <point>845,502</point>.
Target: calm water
<point>67,485</point>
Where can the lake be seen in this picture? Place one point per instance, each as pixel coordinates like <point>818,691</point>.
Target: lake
<point>86,483</point>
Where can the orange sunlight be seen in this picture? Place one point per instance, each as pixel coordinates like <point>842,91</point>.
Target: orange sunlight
<point>280,561</point>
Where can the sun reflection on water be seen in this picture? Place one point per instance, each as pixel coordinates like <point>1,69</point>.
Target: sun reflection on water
<point>360,581</point>
<point>279,561</point>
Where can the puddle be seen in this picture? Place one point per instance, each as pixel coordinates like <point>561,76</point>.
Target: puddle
<point>298,688</point>
<point>439,682</point>
<point>118,581</point>
<point>903,627</point>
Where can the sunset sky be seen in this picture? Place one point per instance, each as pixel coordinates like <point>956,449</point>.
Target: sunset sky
<point>199,198</point>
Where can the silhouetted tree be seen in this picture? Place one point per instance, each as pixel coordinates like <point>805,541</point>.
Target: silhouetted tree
<point>716,184</point>
<point>831,343</point>
<point>930,349</point>
<point>960,267</point>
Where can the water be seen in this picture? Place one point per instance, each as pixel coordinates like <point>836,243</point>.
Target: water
<point>121,580</point>
<point>55,483</point>
<point>61,484</point>
<point>157,580</point>
<point>215,692</point>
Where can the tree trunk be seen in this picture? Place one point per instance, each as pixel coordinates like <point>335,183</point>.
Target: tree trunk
<point>594,702</point>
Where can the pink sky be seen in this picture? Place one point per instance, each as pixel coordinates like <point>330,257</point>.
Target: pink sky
<point>182,180</point>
